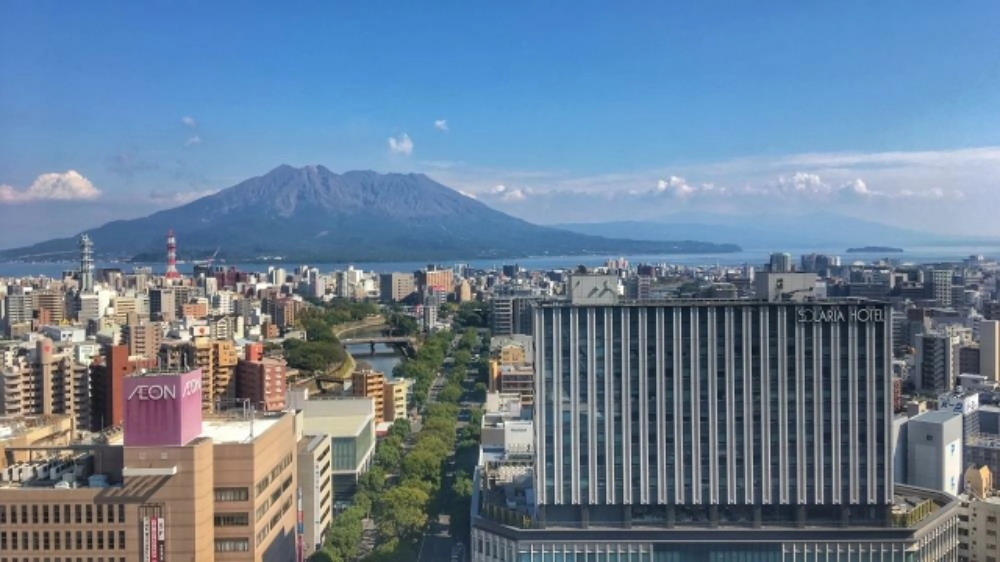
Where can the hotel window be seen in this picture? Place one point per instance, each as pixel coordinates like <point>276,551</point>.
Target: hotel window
<point>100,540</point>
<point>100,513</point>
<point>34,514</point>
<point>78,512</point>
<point>232,545</point>
<point>90,540</point>
<point>111,540</point>
<point>232,519</point>
<point>232,494</point>
<point>121,513</point>
<point>55,513</point>
<point>46,540</point>
<point>89,510</point>
<point>24,514</point>
<point>66,518</point>
<point>57,540</point>
<point>79,540</point>
<point>121,540</point>
<point>3,540</point>
<point>3,514</point>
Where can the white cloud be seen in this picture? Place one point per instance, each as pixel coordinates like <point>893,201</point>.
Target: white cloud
<point>467,194</point>
<point>67,186</point>
<point>909,189</point>
<point>510,195</point>
<point>401,144</point>
<point>189,121</point>
<point>179,197</point>
<point>195,140</point>
<point>441,125</point>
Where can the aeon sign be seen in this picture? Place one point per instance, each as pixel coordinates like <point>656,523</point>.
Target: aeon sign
<point>164,391</point>
<point>162,409</point>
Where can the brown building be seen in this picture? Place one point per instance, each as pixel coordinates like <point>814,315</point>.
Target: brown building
<point>196,310</point>
<point>370,384</point>
<point>217,361</point>
<point>106,376</point>
<point>142,338</point>
<point>440,279</point>
<point>227,495</point>
<point>49,304</point>
<point>32,431</point>
<point>262,382</point>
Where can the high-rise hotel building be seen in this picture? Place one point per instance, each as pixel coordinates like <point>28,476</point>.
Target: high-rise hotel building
<point>712,430</point>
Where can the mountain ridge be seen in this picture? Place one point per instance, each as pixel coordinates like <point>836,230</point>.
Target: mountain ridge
<point>313,214</point>
<point>814,230</point>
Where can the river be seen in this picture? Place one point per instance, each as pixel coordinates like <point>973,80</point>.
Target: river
<point>386,357</point>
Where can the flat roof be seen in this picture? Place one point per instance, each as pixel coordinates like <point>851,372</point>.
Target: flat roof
<point>936,416</point>
<point>758,302</point>
<point>236,430</point>
<point>344,425</point>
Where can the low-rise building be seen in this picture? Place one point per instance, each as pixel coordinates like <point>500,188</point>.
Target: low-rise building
<point>180,486</point>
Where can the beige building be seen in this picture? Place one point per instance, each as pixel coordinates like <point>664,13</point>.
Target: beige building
<point>316,482</point>
<point>394,398</point>
<point>46,381</point>
<point>230,494</point>
<point>979,538</point>
<point>142,338</point>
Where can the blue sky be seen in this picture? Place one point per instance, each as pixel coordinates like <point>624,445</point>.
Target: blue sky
<point>551,110</point>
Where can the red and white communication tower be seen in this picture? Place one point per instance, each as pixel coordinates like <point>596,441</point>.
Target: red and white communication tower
<point>172,272</point>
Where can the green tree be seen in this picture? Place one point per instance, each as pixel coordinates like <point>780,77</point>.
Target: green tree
<point>388,453</point>
<point>402,512</point>
<point>423,465</point>
<point>345,533</point>
<point>323,555</point>
<point>451,393</point>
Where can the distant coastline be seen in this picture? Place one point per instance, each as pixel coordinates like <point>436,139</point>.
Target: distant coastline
<point>875,249</point>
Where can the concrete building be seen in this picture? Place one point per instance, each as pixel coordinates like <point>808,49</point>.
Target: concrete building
<point>180,488</point>
<point>936,365</point>
<point>940,286</point>
<point>395,399</point>
<point>350,423</point>
<point>263,382</point>
<point>107,376</point>
<point>780,262</point>
<point>47,381</point>
<point>785,286</point>
<point>52,303</point>
<point>143,338</point>
<point>934,451</point>
<point>394,287</point>
<point>751,466</point>
<point>367,383</point>
<point>162,304</point>
<point>989,349</point>
<point>315,465</point>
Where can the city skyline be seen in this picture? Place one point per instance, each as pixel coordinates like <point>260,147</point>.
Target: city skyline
<point>647,113</point>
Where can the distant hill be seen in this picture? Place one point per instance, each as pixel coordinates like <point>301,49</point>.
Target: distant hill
<point>312,214</point>
<point>763,231</point>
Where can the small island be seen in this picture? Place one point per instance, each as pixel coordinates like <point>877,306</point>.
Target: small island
<point>875,250</point>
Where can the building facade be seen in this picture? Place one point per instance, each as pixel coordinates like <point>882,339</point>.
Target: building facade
<point>709,431</point>
<point>758,405</point>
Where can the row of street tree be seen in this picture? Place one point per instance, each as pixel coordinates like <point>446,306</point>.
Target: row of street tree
<point>404,483</point>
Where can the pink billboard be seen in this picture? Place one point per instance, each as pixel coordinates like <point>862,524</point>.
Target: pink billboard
<point>162,409</point>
